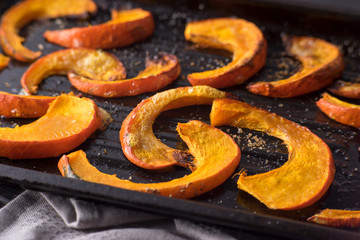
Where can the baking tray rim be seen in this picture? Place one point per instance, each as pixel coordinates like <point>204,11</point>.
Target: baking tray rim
<point>171,207</point>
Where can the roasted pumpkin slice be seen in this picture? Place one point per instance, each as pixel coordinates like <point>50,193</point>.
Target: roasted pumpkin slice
<point>125,28</point>
<point>68,122</point>
<point>244,39</point>
<point>4,61</point>
<point>346,89</point>
<point>303,179</point>
<point>29,10</point>
<point>158,73</point>
<point>216,156</point>
<point>322,63</point>
<point>340,111</point>
<point>19,106</point>
<point>337,218</point>
<point>138,141</point>
<point>91,63</point>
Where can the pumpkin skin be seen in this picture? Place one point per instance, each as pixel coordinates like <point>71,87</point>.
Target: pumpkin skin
<point>244,39</point>
<point>19,106</point>
<point>322,63</point>
<point>337,218</point>
<point>346,89</point>
<point>30,10</point>
<point>340,111</point>
<point>91,63</point>
<point>138,141</point>
<point>216,156</point>
<point>125,28</point>
<point>303,179</point>
<point>68,122</point>
<point>158,73</point>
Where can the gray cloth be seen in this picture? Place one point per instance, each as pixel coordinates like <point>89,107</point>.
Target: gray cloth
<point>34,215</point>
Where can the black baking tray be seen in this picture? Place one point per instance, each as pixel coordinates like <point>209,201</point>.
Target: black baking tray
<point>225,205</point>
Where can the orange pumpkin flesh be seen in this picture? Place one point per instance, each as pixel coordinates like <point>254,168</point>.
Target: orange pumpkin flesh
<point>157,74</point>
<point>137,139</point>
<point>18,106</point>
<point>337,218</point>
<point>125,28</point>
<point>322,63</point>
<point>242,38</point>
<point>93,64</point>
<point>4,61</point>
<point>29,10</point>
<point>303,179</point>
<point>346,89</point>
<point>216,156</point>
<point>340,111</point>
<point>68,122</point>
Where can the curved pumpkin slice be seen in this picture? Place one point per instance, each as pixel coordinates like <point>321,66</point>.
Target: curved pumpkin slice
<point>4,61</point>
<point>158,73</point>
<point>340,111</point>
<point>125,28</point>
<point>303,179</point>
<point>29,10</point>
<point>68,122</point>
<point>346,89</point>
<point>137,139</point>
<point>337,218</point>
<point>244,39</point>
<point>322,63</point>
<point>93,64</point>
<point>19,106</point>
<point>215,153</point>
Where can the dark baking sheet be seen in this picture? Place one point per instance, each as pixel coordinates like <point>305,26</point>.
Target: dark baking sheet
<point>224,205</point>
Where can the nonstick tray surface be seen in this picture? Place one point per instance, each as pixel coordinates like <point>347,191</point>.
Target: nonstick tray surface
<point>224,205</point>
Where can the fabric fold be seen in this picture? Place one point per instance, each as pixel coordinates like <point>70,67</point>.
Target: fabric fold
<point>81,214</point>
<point>42,216</point>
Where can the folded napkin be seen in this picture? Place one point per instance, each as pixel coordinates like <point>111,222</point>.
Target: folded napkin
<point>33,215</point>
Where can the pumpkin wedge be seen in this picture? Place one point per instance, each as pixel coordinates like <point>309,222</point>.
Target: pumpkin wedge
<point>26,11</point>
<point>158,73</point>
<point>303,179</point>
<point>215,153</point>
<point>346,89</point>
<point>68,122</point>
<point>244,39</point>
<point>125,28</point>
<point>322,63</point>
<point>19,106</point>
<point>137,138</point>
<point>4,61</point>
<point>91,63</point>
<point>340,111</point>
<point>337,218</point>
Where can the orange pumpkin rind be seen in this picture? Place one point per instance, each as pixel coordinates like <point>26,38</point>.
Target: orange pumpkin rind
<point>216,156</point>
<point>68,122</point>
<point>158,74</point>
<point>137,138</point>
<point>91,63</point>
<point>303,179</point>
<point>322,63</point>
<point>19,106</point>
<point>125,28</point>
<point>340,111</point>
<point>337,218</point>
<point>29,10</point>
<point>346,89</point>
<point>244,39</point>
